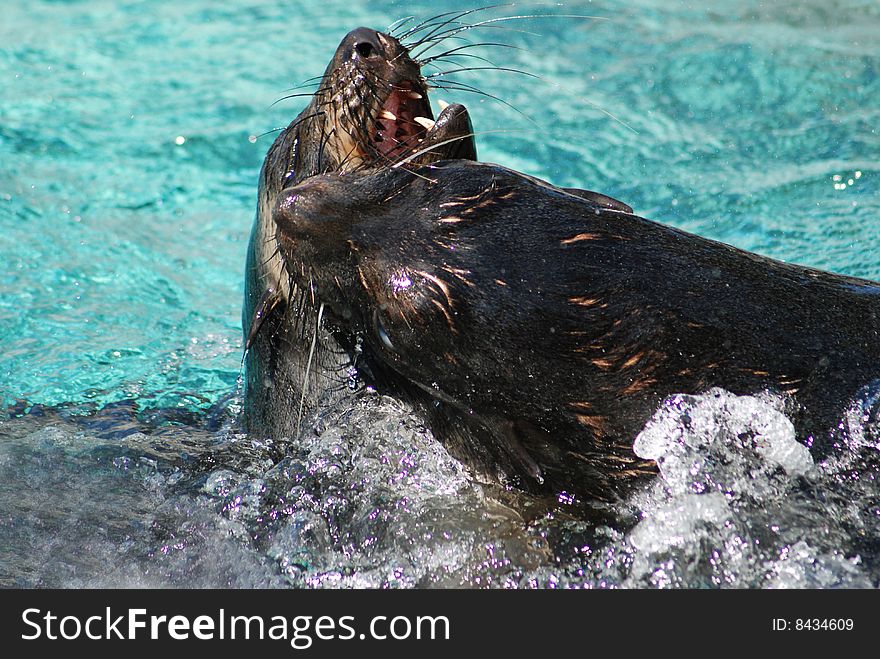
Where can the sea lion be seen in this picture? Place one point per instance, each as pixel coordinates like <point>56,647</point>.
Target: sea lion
<point>538,330</point>
<point>371,109</point>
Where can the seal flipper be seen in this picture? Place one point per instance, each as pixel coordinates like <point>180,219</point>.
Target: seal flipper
<point>267,304</point>
<point>600,199</point>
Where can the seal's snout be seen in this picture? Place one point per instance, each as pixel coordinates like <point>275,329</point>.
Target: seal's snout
<point>364,43</point>
<point>295,207</point>
<point>308,218</point>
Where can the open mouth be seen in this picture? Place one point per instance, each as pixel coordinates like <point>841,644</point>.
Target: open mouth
<point>402,122</point>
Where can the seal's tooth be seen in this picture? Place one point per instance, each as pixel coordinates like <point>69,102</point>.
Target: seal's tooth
<point>414,95</point>
<point>424,121</point>
<point>443,104</point>
<point>385,114</point>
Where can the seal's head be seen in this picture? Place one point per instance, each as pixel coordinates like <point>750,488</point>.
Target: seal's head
<point>370,109</point>
<point>375,101</point>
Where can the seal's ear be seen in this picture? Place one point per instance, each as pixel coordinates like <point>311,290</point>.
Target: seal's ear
<point>601,200</point>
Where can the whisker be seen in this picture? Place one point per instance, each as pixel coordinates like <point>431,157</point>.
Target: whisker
<point>254,138</point>
<point>302,400</point>
<point>455,51</point>
<point>453,32</point>
<point>592,104</point>
<point>525,73</point>
<point>456,15</point>
<point>277,252</point>
<point>430,148</point>
<point>423,25</point>
<point>284,98</point>
<point>400,22</point>
<point>435,37</point>
<point>310,81</point>
<point>490,21</point>
<point>325,139</point>
<point>432,62</point>
<point>456,85</point>
<point>481,68</point>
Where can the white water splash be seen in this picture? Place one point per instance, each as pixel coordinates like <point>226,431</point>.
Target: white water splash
<point>370,499</point>
<point>732,505</point>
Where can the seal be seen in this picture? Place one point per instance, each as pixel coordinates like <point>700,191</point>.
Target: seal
<point>370,110</point>
<point>538,330</point>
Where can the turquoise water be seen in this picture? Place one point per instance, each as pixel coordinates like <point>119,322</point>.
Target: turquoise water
<point>127,177</point>
<point>131,136</point>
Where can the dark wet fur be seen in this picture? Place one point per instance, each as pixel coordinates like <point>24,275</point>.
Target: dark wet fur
<point>542,380</point>
<point>538,330</point>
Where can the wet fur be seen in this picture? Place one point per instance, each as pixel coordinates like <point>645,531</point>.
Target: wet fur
<point>538,330</point>
<point>541,326</point>
<point>332,134</point>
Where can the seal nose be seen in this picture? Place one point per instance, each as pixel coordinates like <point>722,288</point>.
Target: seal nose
<point>365,42</point>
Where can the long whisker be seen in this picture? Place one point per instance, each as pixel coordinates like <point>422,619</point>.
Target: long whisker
<point>302,400</point>
<point>481,68</point>
<point>430,23</point>
<point>455,85</point>
<point>435,36</point>
<point>592,104</point>
<point>432,62</point>
<point>400,22</point>
<point>430,148</point>
<point>293,125</point>
<point>490,21</point>
<point>284,98</point>
<point>453,33</point>
<point>253,138</point>
<point>423,25</point>
<point>310,81</point>
<point>324,141</point>
<point>456,53</point>
<point>526,73</point>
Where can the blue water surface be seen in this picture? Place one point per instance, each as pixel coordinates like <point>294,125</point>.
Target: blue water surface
<point>128,164</point>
